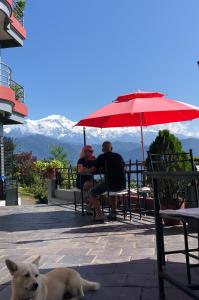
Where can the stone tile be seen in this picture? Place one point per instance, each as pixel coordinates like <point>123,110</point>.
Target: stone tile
<point>120,255</point>
<point>171,293</point>
<point>116,293</point>
<point>77,259</point>
<point>136,268</point>
<point>102,259</point>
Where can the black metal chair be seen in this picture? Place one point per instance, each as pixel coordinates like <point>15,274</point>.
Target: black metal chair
<point>169,162</point>
<point>181,180</point>
<point>173,192</point>
<point>121,194</point>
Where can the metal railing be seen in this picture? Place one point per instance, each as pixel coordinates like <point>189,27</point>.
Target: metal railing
<point>5,75</point>
<point>66,177</point>
<point>5,80</point>
<point>18,13</point>
<point>18,89</point>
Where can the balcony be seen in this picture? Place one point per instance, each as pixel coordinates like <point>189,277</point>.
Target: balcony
<point>18,12</point>
<point>19,91</point>
<point>11,95</point>
<point>12,33</point>
<point>6,80</point>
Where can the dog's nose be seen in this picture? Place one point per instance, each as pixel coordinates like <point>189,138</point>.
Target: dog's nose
<point>34,286</point>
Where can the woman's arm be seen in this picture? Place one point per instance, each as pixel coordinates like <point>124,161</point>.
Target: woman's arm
<point>82,169</point>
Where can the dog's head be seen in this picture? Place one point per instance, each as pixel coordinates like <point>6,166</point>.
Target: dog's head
<point>25,278</point>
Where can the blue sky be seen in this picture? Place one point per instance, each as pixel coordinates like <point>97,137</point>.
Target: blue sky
<point>80,55</point>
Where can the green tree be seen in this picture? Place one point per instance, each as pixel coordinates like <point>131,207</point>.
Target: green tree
<point>41,166</point>
<point>166,142</point>
<point>58,153</point>
<point>25,167</point>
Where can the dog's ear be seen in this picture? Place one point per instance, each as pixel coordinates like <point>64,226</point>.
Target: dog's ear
<point>11,265</point>
<point>36,261</point>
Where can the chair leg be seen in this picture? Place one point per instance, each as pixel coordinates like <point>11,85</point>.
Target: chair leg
<point>139,206</point>
<point>124,206</point>
<point>130,212</point>
<point>160,255</point>
<point>82,201</point>
<point>75,201</point>
<point>102,203</point>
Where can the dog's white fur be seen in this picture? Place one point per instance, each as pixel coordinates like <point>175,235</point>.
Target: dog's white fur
<point>29,284</point>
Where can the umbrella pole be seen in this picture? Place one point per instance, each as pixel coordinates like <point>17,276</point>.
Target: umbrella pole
<point>84,134</point>
<point>142,138</point>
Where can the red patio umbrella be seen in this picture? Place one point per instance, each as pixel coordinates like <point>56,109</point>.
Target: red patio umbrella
<point>140,109</point>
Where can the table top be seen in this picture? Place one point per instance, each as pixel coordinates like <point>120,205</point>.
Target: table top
<point>188,213</point>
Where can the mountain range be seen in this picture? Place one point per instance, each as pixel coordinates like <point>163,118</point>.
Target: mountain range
<point>38,136</point>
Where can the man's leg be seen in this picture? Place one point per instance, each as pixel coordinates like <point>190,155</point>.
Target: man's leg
<point>94,200</point>
<point>86,188</point>
<point>113,204</point>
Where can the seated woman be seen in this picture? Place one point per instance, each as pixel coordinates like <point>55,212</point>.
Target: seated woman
<point>84,165</point>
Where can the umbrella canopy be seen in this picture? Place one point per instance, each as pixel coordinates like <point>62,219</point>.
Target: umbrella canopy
<point>140,109</point>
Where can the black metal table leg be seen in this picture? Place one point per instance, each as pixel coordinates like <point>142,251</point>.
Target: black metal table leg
<point>187,252</point>
<point>159,239</point>
<point>75,200</point>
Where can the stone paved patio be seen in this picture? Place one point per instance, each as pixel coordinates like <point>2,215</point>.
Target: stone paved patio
<point>120,255</point>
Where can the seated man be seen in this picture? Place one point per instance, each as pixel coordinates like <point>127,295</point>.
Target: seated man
<point>112,165</point>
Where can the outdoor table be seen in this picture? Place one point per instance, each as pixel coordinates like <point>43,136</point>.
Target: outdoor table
<point>183,214</point>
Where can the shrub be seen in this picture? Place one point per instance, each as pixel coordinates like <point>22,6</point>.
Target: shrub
<point>39,189</point>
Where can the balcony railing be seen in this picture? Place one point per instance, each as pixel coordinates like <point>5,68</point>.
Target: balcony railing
<point>18,12</point>
<point>5,80</point>
<point>5,75</point>
<point>19,91</point>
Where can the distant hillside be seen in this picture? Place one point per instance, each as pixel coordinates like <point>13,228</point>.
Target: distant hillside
<point>191,143</point>
<point>40,147</point>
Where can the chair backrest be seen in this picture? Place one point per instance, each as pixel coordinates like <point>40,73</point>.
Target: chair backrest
<point>171,161</point>
<point>128,165</point>
<point>136,175</point>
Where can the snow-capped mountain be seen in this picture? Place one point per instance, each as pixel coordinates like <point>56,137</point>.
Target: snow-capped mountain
<point>61,128</point>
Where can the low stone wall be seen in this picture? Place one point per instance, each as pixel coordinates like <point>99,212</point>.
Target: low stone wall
<point>62,196</point>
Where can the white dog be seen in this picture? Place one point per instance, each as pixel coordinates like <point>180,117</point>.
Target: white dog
<point>29,284</point>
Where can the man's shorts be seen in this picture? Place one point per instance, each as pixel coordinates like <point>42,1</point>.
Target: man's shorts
<point>99,189</point>
<point>102,188</point>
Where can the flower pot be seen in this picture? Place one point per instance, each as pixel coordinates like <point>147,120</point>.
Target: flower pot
<point>172,204</point>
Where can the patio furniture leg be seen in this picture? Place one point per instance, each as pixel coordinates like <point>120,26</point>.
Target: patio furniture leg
<point>75,201</point>
<point>82,201</point>
<point>129,195</point>
<point>198,237</point>
<point>159,240</point>
<point>109,208</point>
<point>162,241</point>
<point>140,210</point>
<point>187,252</point>
<point>124,206</point>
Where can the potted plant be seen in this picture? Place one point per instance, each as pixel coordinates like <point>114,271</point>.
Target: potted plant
<point>19,8</point>
<point>172,197</point>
